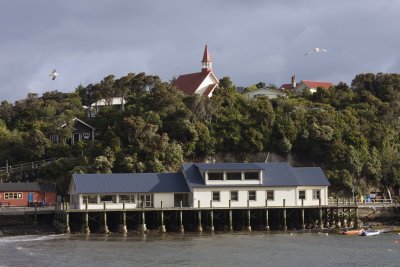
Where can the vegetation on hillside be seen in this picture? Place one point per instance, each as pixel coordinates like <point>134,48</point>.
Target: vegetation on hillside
<point>351,132</point>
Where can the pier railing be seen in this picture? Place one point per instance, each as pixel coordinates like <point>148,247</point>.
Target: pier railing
<point>373,203</point>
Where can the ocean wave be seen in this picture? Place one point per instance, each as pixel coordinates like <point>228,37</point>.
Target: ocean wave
<point>29,238</point>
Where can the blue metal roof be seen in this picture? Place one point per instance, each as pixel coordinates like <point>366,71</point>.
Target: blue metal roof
<point>311,176</point>
<point>274,173</point>
<point>130,183</point>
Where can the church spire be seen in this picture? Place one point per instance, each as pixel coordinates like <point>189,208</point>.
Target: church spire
<point>206,62</point>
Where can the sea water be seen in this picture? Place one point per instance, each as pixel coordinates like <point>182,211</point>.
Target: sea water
<point>190,249</point>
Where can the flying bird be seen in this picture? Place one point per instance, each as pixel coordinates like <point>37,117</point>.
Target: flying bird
<point>316,50</point>
<point>53,74</point>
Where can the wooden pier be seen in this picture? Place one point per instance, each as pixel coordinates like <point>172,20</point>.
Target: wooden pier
<point>337,214</point>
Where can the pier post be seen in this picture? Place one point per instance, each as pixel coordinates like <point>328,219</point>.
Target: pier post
<point>284,215</point>
<point>87,229</point>
<point>181,228</point>
<point>248,220</point>
<point>105,226</point>
<point>211,217</point>
<point>123,228</point>
<point>162,225</point>
<point>230,217</point>
<point>338,223</point>
<point>35,215</point>
<point>266,216</point>
<point>356,225</point>
<point>321,226</point>
<point>67,227</point>
<point>199,227</point>
<point>142,227</point>
<point>303,226</point>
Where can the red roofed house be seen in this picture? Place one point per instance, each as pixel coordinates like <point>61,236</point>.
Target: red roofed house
<point>305,85</point>
<point>311,86</point>
<point>201,83</point>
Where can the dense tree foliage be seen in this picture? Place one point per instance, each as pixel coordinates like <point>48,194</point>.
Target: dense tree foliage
<point>351,132</point>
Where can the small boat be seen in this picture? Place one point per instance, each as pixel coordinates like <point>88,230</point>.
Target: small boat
<point>351,232</point>
<point>370,232</point>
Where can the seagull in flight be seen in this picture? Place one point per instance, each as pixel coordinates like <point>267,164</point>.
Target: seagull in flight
<point>53,74</point>
<point>316,50</point>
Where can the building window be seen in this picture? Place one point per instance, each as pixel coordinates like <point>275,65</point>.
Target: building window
<point>251,176</point>
<point>86,136</point>
<point>216,176</point>
<point>270,194</point>
<point>252,195</point>
<point>127,198</point>
<point>108,198</point>
<point>234,196</point>
<point>12,195</point>
<point>316,194</point>
<point>233,176</point>
<point>215,196</point>
<point>302,194</point>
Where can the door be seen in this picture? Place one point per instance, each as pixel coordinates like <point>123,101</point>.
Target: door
<point>184,197</point>
<point>76,138</point>
<point>146,200</point>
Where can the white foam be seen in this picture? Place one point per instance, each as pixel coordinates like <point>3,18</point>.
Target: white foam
<point>28,238</point>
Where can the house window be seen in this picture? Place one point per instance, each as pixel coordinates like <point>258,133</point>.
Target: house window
<point>302,194</point>
<point>215,196</point>
<point>86,136</point>
<point>234,196</point>
<point>270,194</point>
<point>92,199</point>
<point>127,198</point>
<point>316,194</point>
<point>10,195</point>
<point>234,176</point>
<point>107,198</point>
<point>215,176</point>
<point>252,195</point>
<point>251,176</point>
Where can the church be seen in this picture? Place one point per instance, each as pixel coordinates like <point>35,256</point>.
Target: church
<point>202,83</point>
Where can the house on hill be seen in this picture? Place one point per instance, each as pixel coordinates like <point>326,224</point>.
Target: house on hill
<point>304,85</point>
<point>201,83</point>
<point>81,131</point>
<point>95,108</point>
<point>223,185</point>
<point>311,86</point>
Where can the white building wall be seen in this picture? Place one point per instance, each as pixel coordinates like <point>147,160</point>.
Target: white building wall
<point>166,198</point>
<point>204,195</point>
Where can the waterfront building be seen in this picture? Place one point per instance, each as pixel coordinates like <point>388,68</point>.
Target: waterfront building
<point>27,194</point>
<point>202,185</point>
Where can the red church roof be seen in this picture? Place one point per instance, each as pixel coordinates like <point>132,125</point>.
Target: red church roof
<point>206,56</point>
<point>188,83</point>
<point>313,84</point>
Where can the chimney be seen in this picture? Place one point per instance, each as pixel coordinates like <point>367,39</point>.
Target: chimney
<point>293,81</point>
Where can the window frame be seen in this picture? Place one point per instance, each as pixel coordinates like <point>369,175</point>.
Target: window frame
<point>300,194</point>
<point>267,197</point>
<point>233,173</point>
<point>216,196</point>
<point>316,194</point>
<point>208,176</point>
<point>237,195</point>
<point>251,194</point>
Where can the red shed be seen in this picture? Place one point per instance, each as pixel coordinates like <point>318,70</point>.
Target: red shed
<point>27,194</point>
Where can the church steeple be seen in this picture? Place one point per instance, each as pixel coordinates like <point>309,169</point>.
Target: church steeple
<point>206,62</point>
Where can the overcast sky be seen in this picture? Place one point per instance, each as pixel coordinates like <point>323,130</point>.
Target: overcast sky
<point>249,41</point>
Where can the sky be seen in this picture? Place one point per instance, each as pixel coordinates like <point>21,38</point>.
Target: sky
<point>250,41</point>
